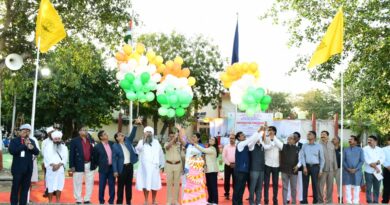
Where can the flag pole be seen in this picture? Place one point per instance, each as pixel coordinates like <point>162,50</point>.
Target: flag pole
<point>35,88</point>
<point>341,137</point>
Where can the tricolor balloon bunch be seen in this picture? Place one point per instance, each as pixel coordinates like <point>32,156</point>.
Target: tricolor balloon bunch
<point>174,93</point>
<point>137,76</point>
<point>242,80</point>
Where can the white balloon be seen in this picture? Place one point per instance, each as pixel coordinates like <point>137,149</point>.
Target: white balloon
<point>156,77</point>
<point>132,63</point>
<point>124,67</point>
<point>143,60</point>
<point>152,69</point>
<point>120,75</point>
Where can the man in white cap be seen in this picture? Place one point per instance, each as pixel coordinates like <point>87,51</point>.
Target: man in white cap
<point>151,157</point>
<point>44,144</point>
<point>22,150</point>
<point>56,157</point>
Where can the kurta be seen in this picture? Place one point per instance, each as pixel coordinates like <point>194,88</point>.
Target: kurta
<point>353,158</point>
<point>55,179</point>
<point>151,160</point>
<point>34,177</point>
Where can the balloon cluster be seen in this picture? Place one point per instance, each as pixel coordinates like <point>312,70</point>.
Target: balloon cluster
<point>242,81</point>
<point>254,100</point>
<point>137,76</point>
<point>237,70</point>
<point>174,95</point>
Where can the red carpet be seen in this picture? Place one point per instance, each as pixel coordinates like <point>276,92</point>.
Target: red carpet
<point>138,199</point>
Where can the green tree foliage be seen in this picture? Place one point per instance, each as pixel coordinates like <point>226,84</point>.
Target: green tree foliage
<point>323,104</point>
<point>79,92</point>
<point>366,47</point>
<point>281,102</point>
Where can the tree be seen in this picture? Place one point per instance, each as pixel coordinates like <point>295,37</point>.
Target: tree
<point>80,91</point>
<point>366,49</point>
<point>323,104</point>
<point>199,55</point>
<point>281,103</point>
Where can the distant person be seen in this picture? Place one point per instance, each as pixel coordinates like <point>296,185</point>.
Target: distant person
<point>329,170</point>
<point>123,159</point>
<point>22,149</point>
<point>80,159</point>
<point>289,169</point>
<point>353,159</point>
<point>56,158</point>
<point>312,159</point>
<point>386,173</point>
<point>337,149</point>
<point>374,158</point>
<point>228,156</point>
<point>44,144</point>
<point>102,158</point>
<point>152,160</point>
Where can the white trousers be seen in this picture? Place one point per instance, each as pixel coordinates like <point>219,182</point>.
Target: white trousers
<point>356,191</point>
<point>78,183</point>
<point>299,188</point>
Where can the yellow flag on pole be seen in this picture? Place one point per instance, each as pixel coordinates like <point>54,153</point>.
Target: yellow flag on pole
<point>331,43</point>
<point>49,26</point>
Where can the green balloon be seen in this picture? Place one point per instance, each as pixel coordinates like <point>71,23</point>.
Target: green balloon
<point>151,85</point>
<point>141,95</point>
<point>145,89</point>
<point>131,96</point>
<point>145,77</point>
<point>172,99</point>
<point>149,96</point>
<point>266,100</point>
<point>180,112</point>
<point>258,95</point>
<point>171,113</point>
<point>130,77</point>
<point>162,111</point>
<point>125,84</point>
<point>249,99</point>
<point>251,90</point>
<point>264,107</point>
<point>162,99</point>
<point>137,84</point>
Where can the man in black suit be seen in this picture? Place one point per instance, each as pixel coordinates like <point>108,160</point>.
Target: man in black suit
<point>80,163</point>
<point>22,150</point>
<point>102,157</point>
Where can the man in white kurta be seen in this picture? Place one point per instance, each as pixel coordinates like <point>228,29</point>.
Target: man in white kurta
<point>151,157</point>
<point>56,157</point>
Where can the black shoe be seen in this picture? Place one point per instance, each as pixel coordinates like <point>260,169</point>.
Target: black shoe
<point>265,201</point>
<point>276,202</point>
<point>288,201</point>
<point>78,203</point>
<point>303,202</point>
<point>87,202</point>
<point>247,199</point>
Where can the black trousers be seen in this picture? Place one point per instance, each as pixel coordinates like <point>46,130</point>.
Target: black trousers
<point>312,172</point>
<point>228,171</point>
<point>275,182</point>
<point>212,187</point>
<point>240,179</point>
<point>125,180</point>
<point>386,186</point>
<point>22,182</point>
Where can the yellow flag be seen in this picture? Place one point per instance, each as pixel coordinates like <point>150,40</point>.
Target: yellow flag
<point>49,26</point>
<point>331,43</point>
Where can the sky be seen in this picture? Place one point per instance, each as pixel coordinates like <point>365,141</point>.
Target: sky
<point>260,41</point>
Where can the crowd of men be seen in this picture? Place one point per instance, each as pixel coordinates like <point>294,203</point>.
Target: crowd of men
<point>251,161</point>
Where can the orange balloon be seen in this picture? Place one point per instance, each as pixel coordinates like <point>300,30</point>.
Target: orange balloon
<point>120,56</point>
<point>161,68</point>
<point>185,72</point>
<point>169,64</point>
<point>176,68</point>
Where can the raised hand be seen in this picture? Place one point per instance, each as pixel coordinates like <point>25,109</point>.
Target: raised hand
<point>138,121</point>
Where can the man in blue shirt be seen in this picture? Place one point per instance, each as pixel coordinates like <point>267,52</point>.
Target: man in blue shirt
<point>312,159</point>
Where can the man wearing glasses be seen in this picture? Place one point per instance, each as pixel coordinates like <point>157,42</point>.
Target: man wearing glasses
<point>22,150</point>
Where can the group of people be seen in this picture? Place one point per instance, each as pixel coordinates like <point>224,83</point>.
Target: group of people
<point>251,161</point>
